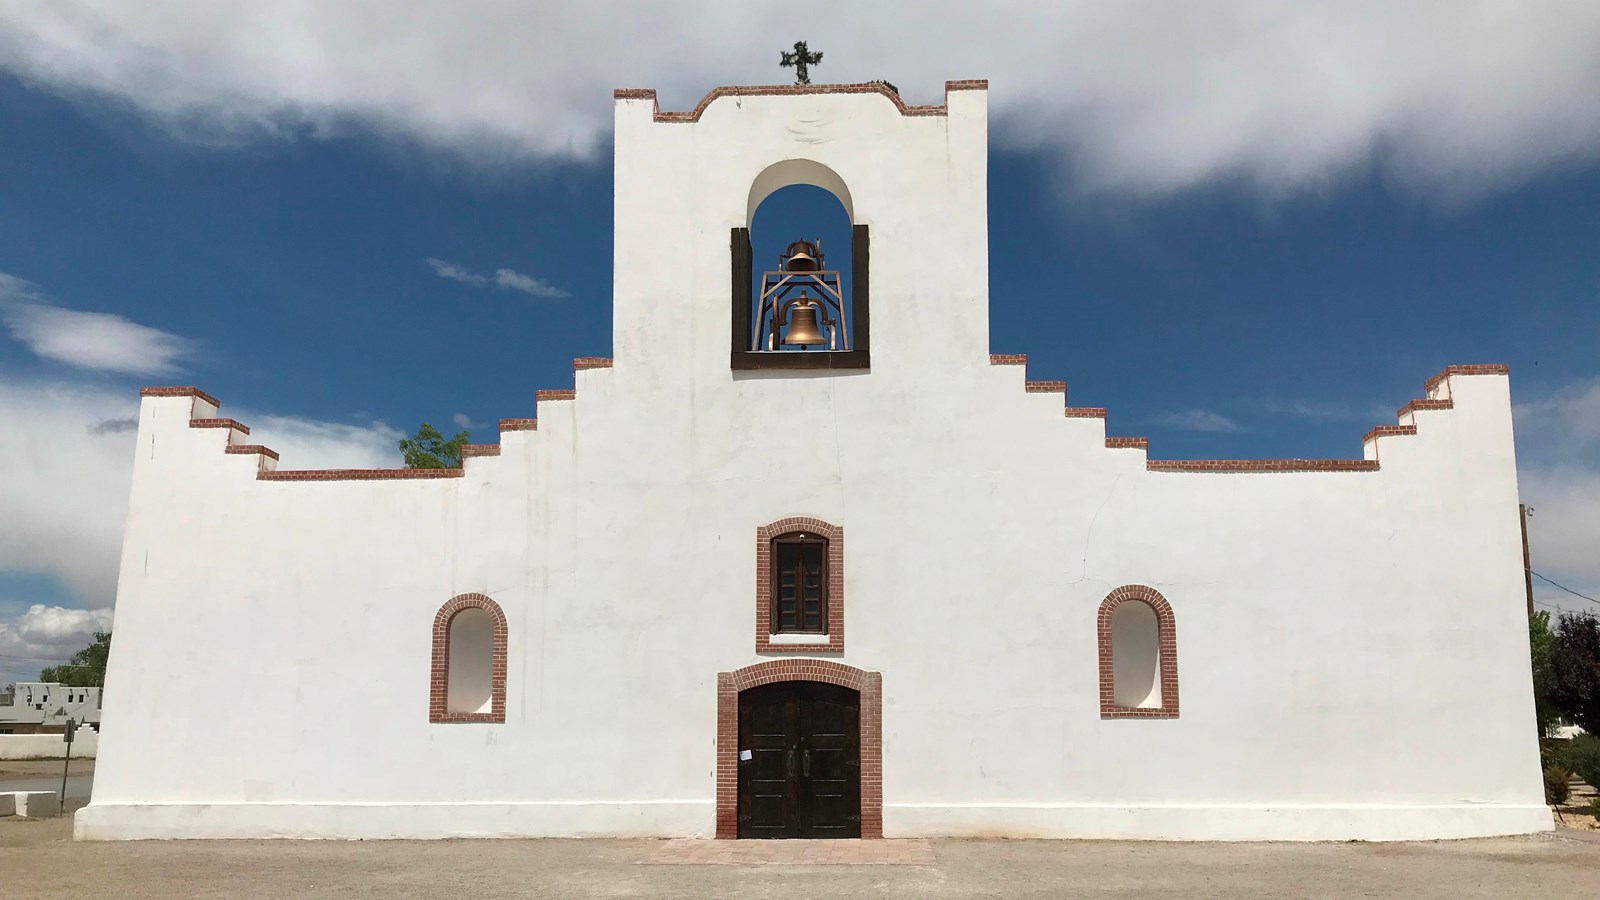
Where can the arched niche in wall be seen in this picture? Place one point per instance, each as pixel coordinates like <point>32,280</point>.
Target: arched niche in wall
<point>1135,656</point>
<point>1138,646</point>
<point>471,674</point>
<point>468,682</point>
<point>798,200</point>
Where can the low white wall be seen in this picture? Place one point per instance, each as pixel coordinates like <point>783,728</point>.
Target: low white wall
<point>48,746</point>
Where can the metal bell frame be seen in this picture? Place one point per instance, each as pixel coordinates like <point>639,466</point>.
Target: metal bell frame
<point>799,268</point>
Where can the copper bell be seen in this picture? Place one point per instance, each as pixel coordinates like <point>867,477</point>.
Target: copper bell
<point>802,256</point>
<point>803,323</point>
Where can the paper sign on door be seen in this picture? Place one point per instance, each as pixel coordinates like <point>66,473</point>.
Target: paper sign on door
<point>745,756</point>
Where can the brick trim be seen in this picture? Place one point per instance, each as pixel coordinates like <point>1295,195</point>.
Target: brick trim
<point>251,448</point>
<point>551,394</point>
<point>1261,465</point>
<point>189,391</point>
<point>1085,412</point>
<point>1127,443</point>
<point>1008,359</point>
<point>591,362</point>
<point>519,424</point>
<point>764,538</point>
<point>1379,431</point>
<point>356,474</point>
<point>870,687</point>
<point>1472,369</point>
<point>1045,387</point>
<point>439,676</point>
<point>1167,644</point>
<point>469,451</point>
<point>1415,405</point>
<point>768,90</point>
<point>219,423</point>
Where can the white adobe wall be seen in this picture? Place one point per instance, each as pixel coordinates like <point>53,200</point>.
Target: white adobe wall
<point>1351,645</point>
<point>48,746</point>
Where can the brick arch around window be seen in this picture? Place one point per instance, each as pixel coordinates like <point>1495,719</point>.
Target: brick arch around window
<point>439,681</point>
<point>1167,650</point>
<point>868,684</point>
<point>834,535</point>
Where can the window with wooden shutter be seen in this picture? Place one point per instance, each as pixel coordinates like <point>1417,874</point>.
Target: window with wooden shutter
<point>800,584</point>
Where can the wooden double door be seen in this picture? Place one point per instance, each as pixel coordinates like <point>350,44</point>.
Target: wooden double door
<point>799,761</point>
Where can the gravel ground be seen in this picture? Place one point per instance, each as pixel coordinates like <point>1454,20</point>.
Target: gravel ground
<point>38,859</point>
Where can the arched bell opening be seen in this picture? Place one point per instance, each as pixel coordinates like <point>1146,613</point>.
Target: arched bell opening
<point>799,273</point>
<point>797,172</point>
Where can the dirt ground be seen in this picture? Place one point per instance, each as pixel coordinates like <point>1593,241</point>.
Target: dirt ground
<point>39,859</point>
<point>41,768</point>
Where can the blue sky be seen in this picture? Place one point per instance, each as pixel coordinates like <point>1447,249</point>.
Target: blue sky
<point>337,275</point>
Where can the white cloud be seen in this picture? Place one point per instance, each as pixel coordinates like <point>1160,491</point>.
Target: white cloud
<point>44,635</point>
<point>65,517</point>
<point>101,341</point>
<point>462,420</point>
<point>455,273</point>
<point>1198,420</point>
<point>534,287</point>
<point>509,279</point>
<point>1141,96</point>
<point>1333,412</point>
<point>1558,449</point>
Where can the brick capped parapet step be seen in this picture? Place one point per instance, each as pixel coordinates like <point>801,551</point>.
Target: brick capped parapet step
<point>771,90</point>
<point>219,423</point>
<point>1475,369</point>
<point>519,424</point>
<point>1262,465</point>
<point>188,391</point>
<point>357,474</point>
<point>1415,405</point>
<point>246,449</point>
<point>1379,431</point>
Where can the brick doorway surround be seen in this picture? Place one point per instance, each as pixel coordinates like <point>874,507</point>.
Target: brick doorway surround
<point>870,687</point>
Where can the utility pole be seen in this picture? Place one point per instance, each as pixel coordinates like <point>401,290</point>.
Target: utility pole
<point>67,735</point>
<point>1527,564</point>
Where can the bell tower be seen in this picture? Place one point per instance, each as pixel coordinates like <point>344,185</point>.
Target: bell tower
<point>912,179</point>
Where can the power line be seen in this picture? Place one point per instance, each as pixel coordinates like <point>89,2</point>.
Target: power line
<point>46,659</point>
<point>1564,587</point>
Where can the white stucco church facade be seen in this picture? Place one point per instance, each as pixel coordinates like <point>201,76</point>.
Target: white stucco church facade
<point>881,584</point>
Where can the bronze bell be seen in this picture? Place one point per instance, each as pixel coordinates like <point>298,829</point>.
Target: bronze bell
<point>802,256</point>
<point>803,323</point>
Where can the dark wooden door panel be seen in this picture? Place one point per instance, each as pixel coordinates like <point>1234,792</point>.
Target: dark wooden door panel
<point>769,730</point>
<point>803,777</point>
<point>830,720</point>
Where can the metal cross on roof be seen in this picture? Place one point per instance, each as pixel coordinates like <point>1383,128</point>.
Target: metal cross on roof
<point>800,59</point>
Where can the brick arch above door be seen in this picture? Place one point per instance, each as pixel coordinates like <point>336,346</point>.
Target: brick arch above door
<point>868,684</point>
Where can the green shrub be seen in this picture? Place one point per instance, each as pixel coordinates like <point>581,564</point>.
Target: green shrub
<point>1553,752</point>
<point>1594,807</point>
<point>1556,789</point>
<point>1582,756</point>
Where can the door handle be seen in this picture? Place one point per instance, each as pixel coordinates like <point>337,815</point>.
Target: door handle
<point>791,761</point>
<point>805,762</point>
